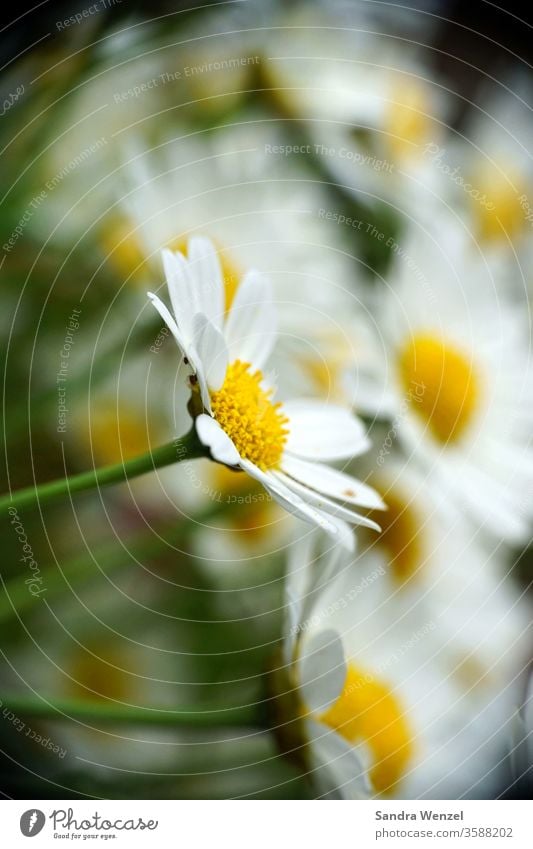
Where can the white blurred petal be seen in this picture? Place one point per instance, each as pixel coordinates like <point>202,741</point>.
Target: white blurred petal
<point>322,670</point>
<point>333,483</point>
<point>212,351</point>
<point>338,772</point>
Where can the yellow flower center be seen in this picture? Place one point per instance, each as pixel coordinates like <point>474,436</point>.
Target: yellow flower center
<point>244,410</point>
<point>408,123</point>
<point>123,249</point>
<point>401,537</point>
<point>441,386</point>
<point>367,711</point>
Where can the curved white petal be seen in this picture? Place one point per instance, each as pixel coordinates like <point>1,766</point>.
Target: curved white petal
<point>206,268</point>
<point>212,351</point>
<point>187,348</point>
<point>250,328</point>
<point>337,770</point>
<point>345,537</point>
<point>319,431</point>
<point>217,440</point>
<point>313,562</point>
<point>326,504</point>
<point>322,670</point>
<point>302,557</point>
<point>332,482</point>
<point>182,291</point>
<point>169,320</point>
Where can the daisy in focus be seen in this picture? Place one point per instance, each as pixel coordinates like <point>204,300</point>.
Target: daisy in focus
<point>283,446</point>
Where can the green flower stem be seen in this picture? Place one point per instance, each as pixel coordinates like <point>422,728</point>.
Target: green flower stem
<point>65,709</point>
<point>187,447</point>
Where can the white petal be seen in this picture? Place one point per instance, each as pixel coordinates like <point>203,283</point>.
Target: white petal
<point>205,266</point>
<point>212,351</point>
<point>169,320</point>
<point>332,482</point>
<point>345,537</point>
<point>250,329</point>
<point>181,288</point>
<point>217,440</point>
<point>319,431</point>
<point>290,501</point>
<point>322,670</point>
<point>309,496</point>
<point>338,772</point>
<point>301,559</point>
<point>187,348</point>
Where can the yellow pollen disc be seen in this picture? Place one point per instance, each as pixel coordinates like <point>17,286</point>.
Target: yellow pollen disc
<point>400,537</point>
<point>501,215</point>
<point>231,273</point>
<point>440,385</point>
<point>244,410</point>
<point>368,712</point>
<point>123,249</point>
<point>408,122</point>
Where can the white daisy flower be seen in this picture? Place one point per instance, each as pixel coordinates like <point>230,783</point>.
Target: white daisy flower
<point>369,110</point>
<point>452,371</point>
<point>308,681</point>
<point>285,447</point>
<point>418,705</point>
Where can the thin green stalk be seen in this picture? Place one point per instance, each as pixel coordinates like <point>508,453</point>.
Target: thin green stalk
<point>187,447</point>
<point>64,709</point>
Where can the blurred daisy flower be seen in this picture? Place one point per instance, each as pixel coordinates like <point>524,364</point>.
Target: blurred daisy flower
<point>308,680</point>
<point>283,446</point>
<point>452,370</point>
<point>381,687</point>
